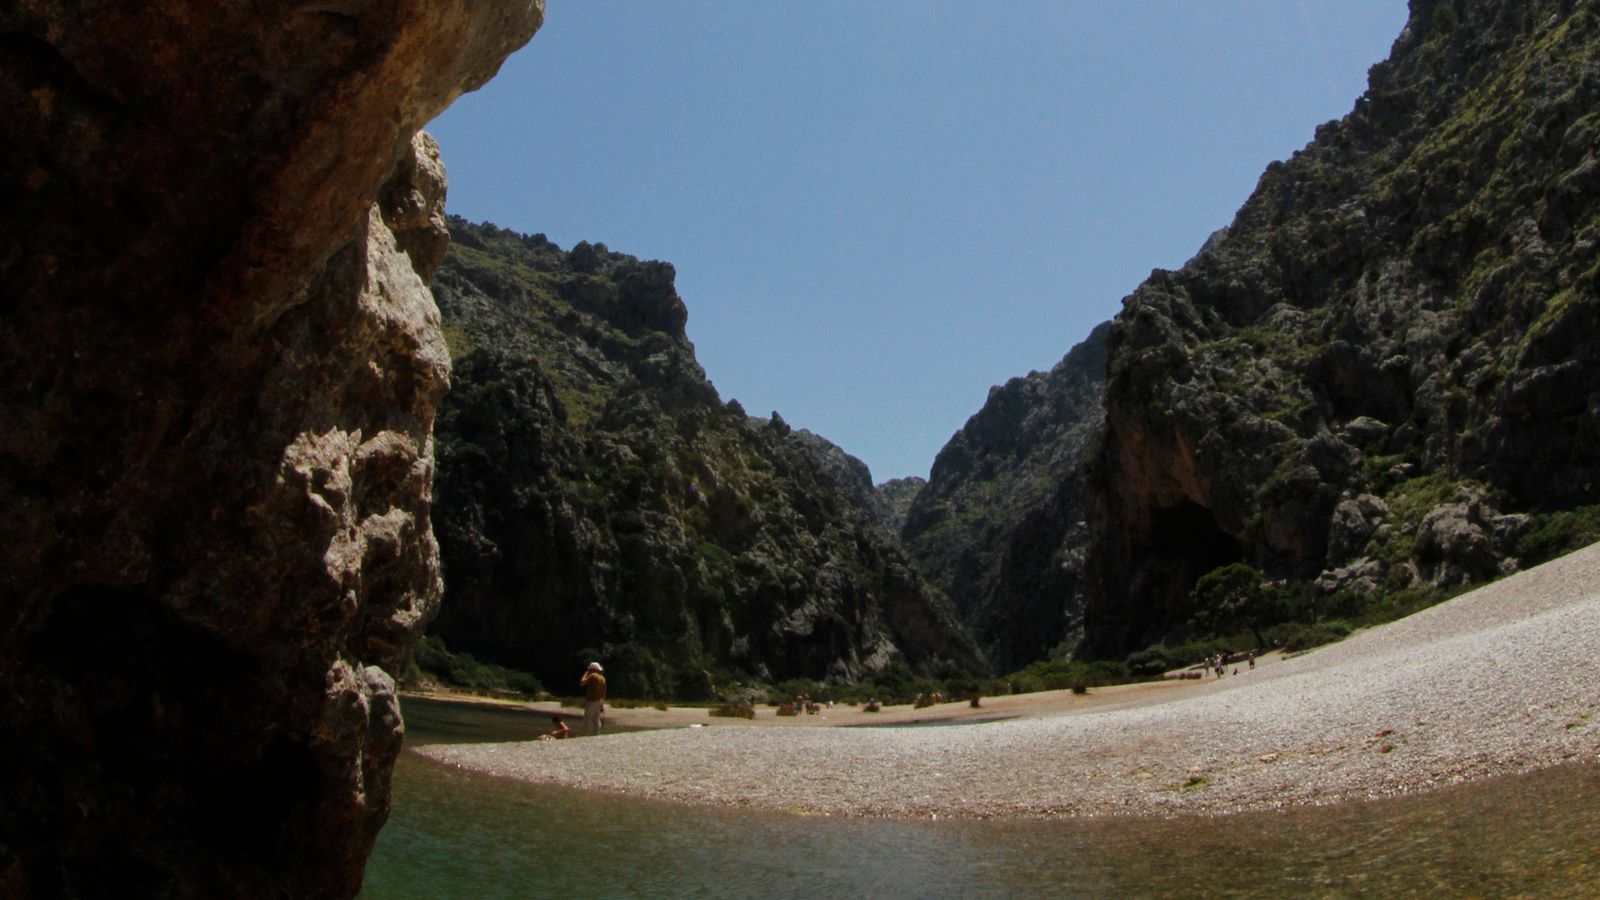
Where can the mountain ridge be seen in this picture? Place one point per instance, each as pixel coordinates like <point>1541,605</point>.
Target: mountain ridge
<point>998,471</point>
<point>598,500</point>
<point>1372,386</point>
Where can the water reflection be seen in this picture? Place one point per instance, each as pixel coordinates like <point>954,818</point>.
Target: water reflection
<point>458,834</point>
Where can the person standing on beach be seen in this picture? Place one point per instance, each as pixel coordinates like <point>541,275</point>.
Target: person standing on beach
<point>594,698</point>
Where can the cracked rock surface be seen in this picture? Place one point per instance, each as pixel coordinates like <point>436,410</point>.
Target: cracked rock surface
<point>219,366</point>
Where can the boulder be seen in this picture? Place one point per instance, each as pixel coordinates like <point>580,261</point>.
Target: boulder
<point>1355,520</point>
<point>1453,547</point>
<point>1362,577</point>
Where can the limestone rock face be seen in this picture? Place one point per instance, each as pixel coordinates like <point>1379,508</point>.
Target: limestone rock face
<point>219,365</point>
<point>1393,343</point>
<point>598,500</point>
<point>896,496</point>
<point>853,476</point>
<point>1000,524</point>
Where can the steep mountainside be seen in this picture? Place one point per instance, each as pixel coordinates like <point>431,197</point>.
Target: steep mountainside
<point>998,525</point>
<point>596,499</point>
<point>852,475</point>
<point>1384,376</point>
<point>897,495</point>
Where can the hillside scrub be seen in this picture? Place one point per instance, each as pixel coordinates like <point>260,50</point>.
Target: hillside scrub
<point>1377,382</point>
<point>596,500</point>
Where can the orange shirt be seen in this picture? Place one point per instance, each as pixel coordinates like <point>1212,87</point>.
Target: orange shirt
<point>594,686</point>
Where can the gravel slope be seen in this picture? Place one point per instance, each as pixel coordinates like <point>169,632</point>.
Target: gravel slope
<point>1505,679</point>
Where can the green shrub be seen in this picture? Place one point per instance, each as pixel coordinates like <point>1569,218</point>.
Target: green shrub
<point>1299,636</point>
<point>1445,19</point>
<point>1557,534</point>
<point>1060,675</point>
<point>432,660</point>
<point>457,340</point>
<point>715,556</point>
<point>1234,597</point>
<point>523,682</point>
<point>895,684</point>
<point>1399,603</point>
<point>785,691</point>
<point>1153,661</point>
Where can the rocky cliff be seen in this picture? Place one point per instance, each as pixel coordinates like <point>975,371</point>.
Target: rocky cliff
<point>896,497</point>
<point>597,500</point>
<point>999,525</point>
<point>855,478</point>
<point>219,372</point>
<point>1381,377</point>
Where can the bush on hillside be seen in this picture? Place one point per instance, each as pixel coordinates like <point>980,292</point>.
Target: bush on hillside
<point>1558,534</point>
<point>1153,661</point>
<point>433,661</point>
<point>1299,636</point>
<point>1060,675</point>
<point>1235,597</point>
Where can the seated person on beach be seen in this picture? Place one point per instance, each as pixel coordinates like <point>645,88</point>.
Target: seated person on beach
<point>560,732</point>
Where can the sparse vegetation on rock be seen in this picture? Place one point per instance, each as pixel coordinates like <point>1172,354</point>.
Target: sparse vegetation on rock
<point>1000,524</point>
<point>597,500</point>
<point>1375,387</point>
<point>1380,379</point>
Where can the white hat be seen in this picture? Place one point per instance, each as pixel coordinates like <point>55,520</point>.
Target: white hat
<point>595,667</point>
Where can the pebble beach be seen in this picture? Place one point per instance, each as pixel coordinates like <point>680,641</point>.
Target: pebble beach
<point>1502,680</point>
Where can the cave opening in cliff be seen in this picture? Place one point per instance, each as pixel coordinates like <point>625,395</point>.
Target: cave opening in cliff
<point>1188,543</point>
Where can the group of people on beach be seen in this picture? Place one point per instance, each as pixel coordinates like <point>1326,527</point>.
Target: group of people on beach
<point>1217,664</point>
<point>593,684</point>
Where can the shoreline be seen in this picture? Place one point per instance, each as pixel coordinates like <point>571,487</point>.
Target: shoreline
<point>1038,704</point>
<point>644,716</point>
<point>1499,681</point>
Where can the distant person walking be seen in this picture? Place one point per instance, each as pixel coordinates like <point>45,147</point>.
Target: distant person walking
<point>594,698</point>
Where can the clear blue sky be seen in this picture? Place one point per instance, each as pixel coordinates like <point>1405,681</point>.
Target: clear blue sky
<point>878,210</point>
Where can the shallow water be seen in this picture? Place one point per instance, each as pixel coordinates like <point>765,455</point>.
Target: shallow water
<point>458,834</point>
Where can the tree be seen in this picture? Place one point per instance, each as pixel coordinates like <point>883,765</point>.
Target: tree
<point>1233,597</point>
<point>1445,19</point>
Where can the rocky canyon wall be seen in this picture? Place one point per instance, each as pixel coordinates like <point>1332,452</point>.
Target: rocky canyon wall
<point>999,525</point>
<point>1376,386</point>
<point>219,365</point>
<point>1382,374</point>
<point>597,499</point>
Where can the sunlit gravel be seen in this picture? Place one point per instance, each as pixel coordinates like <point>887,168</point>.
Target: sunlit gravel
<point>1505,679</point>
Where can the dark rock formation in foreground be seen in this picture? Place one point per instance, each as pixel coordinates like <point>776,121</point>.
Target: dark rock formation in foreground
<point>219,366</point>
<point>1387,369</point>
<point>597,500</point>
<point>1000,524</point>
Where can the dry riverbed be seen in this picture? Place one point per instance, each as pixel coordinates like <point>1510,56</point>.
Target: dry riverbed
<point>1502,680</point>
